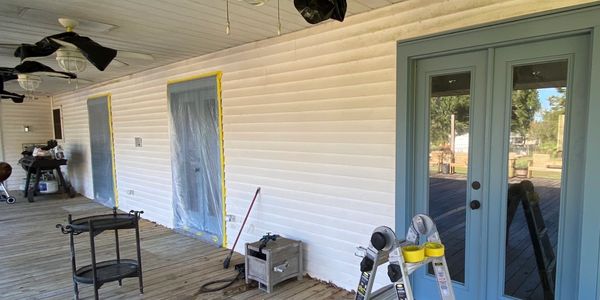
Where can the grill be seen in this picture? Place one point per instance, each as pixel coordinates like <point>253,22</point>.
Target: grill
<point>5,171</point>
<point>37,165</point>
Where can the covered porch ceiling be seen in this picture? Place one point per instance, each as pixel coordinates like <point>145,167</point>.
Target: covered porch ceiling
<point>169,30</point>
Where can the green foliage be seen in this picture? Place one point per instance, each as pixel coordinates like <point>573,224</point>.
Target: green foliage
<point>440,111</point>
<point>525,103</point>
<point>521,164</point>
<point>546,130</point>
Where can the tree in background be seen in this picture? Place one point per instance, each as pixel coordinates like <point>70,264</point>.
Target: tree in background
<point>525,104</point>
<point>545,131</point>
<point>440,111</point>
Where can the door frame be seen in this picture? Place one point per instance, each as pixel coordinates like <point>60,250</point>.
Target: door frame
<point>550,25</point>
<point>112,141</point>
<point>219,77</point>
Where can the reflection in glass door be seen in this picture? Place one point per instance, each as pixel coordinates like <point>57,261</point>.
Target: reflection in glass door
<point>449,126</point>
<point>535,167</point>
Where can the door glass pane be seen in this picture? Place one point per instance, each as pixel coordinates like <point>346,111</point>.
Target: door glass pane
<point>535,165</point>
<point>448,163</point>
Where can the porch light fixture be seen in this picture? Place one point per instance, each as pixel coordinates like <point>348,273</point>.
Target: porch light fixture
<point>71,60</point>
<point>29,82</point>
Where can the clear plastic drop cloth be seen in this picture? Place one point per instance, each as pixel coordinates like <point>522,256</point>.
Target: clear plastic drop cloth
<point>196,158</point>
<point>101,151</point>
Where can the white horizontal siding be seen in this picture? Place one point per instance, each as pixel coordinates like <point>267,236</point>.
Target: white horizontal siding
<point>308,116</point>
<point>13,117</point>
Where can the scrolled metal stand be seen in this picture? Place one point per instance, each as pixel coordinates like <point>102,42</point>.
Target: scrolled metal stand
<point>120,268</point>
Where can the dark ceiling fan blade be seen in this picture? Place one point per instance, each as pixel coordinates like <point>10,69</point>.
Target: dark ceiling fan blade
<point>6,77</point>
<point>97,54</point>
<point>7,72</point>
<point>16,98</point>
<point>316,11</point>
<point>44,47</point>
<point>34,67</point>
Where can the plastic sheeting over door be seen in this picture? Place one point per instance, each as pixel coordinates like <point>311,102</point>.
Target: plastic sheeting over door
<point>196,157</point>
<point>102,150</point>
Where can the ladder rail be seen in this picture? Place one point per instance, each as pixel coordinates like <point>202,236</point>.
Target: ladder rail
<point>399,270</point>
<point>524,193</point>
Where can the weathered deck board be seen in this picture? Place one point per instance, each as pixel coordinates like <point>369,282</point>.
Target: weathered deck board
<point>448,196</point>
<point>35,264</point>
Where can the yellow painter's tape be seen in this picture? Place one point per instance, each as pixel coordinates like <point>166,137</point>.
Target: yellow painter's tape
<point>413,253</point>
<point>433,249</point>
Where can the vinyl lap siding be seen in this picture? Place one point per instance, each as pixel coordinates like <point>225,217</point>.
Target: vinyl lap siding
<point>137,111</point>
<point>308,116</point>
<point>34,113</point>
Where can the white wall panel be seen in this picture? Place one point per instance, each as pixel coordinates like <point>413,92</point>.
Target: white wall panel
<point>308,116</point>
<point>13,117</point>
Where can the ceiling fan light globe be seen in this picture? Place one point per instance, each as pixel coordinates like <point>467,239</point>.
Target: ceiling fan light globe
<point>29,82</point>
<point>71,60</point>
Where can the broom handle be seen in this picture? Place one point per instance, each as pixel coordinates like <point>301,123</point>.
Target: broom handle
<point>245,219</point>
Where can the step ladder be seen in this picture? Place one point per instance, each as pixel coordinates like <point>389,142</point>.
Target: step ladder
<point>385,247</point>
<point>545,259</point>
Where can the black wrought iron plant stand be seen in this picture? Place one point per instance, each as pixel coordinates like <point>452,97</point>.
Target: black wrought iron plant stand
<point>98,273</point>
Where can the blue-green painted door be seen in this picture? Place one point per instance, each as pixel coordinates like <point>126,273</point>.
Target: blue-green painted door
<point>450,122</point>
<point>555,71</point>
<point>482,117</point>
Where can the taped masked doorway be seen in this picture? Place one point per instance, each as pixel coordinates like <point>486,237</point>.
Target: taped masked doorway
<point>101,142</point>
<point>197,157</point>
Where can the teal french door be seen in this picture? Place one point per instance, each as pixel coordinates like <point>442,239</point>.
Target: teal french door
<point>492,119</point>
<point>451,91</point>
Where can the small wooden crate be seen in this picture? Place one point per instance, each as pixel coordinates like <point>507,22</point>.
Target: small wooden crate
<point>279,260</point>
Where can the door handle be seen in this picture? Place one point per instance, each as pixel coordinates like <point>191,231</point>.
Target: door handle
<point>476,185</point>
<point>475,204</point>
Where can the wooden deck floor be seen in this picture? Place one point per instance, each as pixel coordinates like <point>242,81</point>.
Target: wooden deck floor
<point>448,194</point>
<point>35,263</point>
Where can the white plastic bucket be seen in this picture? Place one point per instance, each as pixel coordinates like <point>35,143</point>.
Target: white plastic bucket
<point>47,187</point>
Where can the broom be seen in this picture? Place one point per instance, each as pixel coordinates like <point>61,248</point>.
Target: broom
<point>228,258</point>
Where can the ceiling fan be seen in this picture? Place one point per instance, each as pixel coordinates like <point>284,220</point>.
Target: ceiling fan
<point>316,11</point>
<point>29,74</point>
<point>73,51</point>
